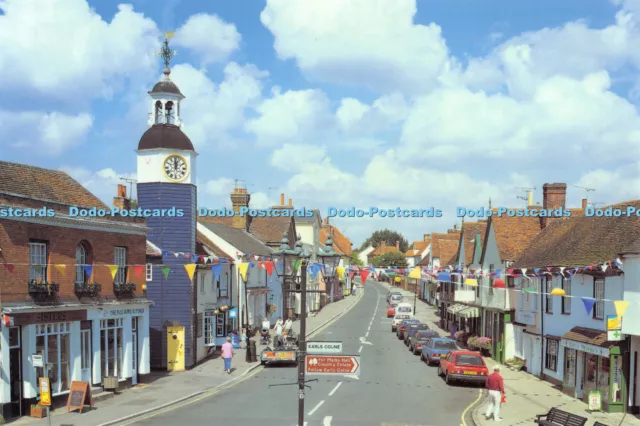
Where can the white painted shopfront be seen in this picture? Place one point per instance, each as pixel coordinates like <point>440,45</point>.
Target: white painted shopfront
<point>77,344</point>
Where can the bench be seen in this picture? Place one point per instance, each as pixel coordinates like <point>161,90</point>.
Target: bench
<point>599,424</point>
<point>557,417</point>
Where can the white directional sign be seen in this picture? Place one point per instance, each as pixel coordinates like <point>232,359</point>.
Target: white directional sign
<point>324,347</point>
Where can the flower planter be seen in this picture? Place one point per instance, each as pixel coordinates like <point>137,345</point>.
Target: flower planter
<point>110,383</point>
<point>38,411</point>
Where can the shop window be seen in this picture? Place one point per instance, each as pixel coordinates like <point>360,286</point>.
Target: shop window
<point>223,286</point>
<point>221,325</point>
<point>603,377</point>
<point>38,261</point>
<point>52,341</point>
<point>120,259</point>
<point>598,294</point>
<point>570,367</point>
<point>591,372</point>
<point>549,297</point>
<point>566,300</point>
<point>111,347</point>
<point>149,272</point>
<point>209,328</point>
<point>551,360</point>
<point>616,362</point>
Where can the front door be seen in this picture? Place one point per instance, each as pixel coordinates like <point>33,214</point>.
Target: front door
<point>15,371</point>
<point>580,374</point>
<point>134,351</point>
<point>85,355</point>
<point>175,348</point>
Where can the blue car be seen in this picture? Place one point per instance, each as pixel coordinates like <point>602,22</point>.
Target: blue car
<point>433,350</point>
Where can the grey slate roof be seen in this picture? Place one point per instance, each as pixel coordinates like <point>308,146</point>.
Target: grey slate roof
<point>309,219</point>
<point>240,239</point>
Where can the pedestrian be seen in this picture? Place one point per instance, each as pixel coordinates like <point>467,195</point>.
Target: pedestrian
<point>353,289</point>
<point>288,325</point>
<point>266,324</point>
<point>495,385</point>
<point>278,328</point>
<point>227,355</point>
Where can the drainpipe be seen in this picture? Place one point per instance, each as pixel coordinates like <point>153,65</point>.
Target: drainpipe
<point>541,332</point>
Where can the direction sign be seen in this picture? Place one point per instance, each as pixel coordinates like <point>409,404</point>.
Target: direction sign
<point>324,347</point>
<point>333,365</point>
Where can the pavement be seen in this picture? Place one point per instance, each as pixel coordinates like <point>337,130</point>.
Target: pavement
<point>163,390</point>
<point>393,388</point>
<point>528,396</point>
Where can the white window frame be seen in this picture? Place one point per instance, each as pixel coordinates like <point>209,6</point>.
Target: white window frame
<point>221,324</point>
<point>120,259</point>
<point>551,356</point>
<point>566,300</point>
<point>56,329</point>
<point>38,261</point>
<point>201,280</point>
<point>549,298</point>
<point>85,350</point>
<point>209,328</point>
<point>81,260</point>
<point>149,272</point>
<point>118,323</point>
<point>598,294</point>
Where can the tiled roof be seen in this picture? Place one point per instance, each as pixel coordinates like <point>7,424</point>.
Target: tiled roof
<point>341,243</point>
<point>412,253</point>
<point>309,219</point>
<point>514,234</point>
<point>469,232</point>
<point>270,229</point>
<point>380,250</point>
<point>202,241</point>
<point>240,239</point>
<point>447,251</point>
<point>589,335</point>
<point>45,185</point>
<point>216,219</point>
<point>582,240</point>
<point>420,246</point>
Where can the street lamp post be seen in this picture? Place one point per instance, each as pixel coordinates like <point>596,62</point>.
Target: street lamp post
<point>330,259</point>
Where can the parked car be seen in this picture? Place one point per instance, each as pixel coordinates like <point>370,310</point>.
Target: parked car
<point>403,311</point>
<point>411,330</point>
<point>391,310</point>
<point>463,366</point>
<point>391,294</point>
<point>433,350</point>
<point>402,327</point>
<point>396,298</point>
<point>418,340</point>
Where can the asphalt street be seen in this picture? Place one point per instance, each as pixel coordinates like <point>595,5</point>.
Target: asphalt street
<point>394,386</point>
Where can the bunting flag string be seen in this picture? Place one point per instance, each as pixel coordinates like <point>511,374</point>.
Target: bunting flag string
<point>364,274</point>
<point>243,268</point>
<point>113,269</point>
<point>217,269</point>
<point>191,269</point>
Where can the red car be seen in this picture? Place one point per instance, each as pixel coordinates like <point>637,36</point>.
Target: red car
<point>391,310</point>
<point>463,366</point>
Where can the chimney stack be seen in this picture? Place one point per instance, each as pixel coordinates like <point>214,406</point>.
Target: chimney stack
<point>554,196</point>
<point>282,199</point>
<point>290,203</point>
<point>584,204</point>
<point>240,199</point>
<point>426,237</point>
<point>121,201</point>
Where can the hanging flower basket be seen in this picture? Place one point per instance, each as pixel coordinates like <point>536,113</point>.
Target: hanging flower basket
<point>273,309</point>
<point>472,343</point>
<point>484,343</point>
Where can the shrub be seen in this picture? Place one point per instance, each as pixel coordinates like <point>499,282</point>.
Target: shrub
<point>473,341</point>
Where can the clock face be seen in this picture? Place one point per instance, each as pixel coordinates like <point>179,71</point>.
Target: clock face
<point>175,167</point>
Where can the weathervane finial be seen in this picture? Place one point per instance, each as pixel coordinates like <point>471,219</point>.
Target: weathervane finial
<point>166,53</point>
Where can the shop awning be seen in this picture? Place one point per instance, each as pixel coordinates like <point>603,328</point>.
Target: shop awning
<point>588,340</point>
<point>470,312</point>
<point>455,308</point>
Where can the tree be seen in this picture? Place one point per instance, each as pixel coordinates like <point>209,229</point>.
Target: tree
<point>389,237</point>
<point>355,259</point>
<point>393,259</point>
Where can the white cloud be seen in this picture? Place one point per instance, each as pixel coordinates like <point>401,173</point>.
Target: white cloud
<point>296,158</point>
<point>208,36</point>
<point>74,53</point>
<point>47,134</point>
<point>220,186</point>
<point>364,42</point>
<point>102,183</point>
<point>291,117</point>
<point>620,184</point>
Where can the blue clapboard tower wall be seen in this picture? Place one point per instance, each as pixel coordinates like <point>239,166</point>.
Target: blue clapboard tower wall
<point>166,174</point>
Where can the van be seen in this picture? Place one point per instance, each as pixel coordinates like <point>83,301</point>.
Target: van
<point>403,311</point>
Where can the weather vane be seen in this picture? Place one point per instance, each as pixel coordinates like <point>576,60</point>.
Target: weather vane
<point>166,53</point>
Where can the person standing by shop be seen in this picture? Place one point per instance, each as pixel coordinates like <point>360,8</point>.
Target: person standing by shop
<point>227,355</point>
<point>495,385</point>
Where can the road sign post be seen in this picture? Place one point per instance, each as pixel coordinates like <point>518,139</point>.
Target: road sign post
<point>333,365</point>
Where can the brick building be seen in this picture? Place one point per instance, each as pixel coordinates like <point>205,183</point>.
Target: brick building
<point>58,297</point>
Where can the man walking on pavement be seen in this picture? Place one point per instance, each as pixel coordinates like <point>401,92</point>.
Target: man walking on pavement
<point>495,385</point>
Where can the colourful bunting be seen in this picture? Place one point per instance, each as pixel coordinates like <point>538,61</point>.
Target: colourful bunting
<point>364,274</point>
<point>217,269</point>
<point>588,303</point>
<point>415,273</point>
<point>88,269</point>
<point>114,270</point>
<point>269,267</point>
<point>340,271</point>
<point>138,269</point>
<point>165,270</point>
<point>61,268</point>
<point>621,307</point>
<point>9,267</point>
<point>243,268</point>
<point>191,269</point>
<point>558,292</point>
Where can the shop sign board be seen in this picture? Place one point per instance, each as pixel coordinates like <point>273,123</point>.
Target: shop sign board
<point>595,401</point>
<point>614,336</point>
<point>585,347</point>
<point>49,317</point>
<point>37,360</point>
<point>128,312</point>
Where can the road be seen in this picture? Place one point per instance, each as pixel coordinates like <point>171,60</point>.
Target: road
<point>394,387</point>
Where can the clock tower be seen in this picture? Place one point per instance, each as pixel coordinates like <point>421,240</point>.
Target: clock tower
<point>166,178</point>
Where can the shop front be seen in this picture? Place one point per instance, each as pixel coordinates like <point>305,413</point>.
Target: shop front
<point>74,345</point>
<point>593,366</point>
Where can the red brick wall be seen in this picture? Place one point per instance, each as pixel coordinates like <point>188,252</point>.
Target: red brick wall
<point>61,249</point>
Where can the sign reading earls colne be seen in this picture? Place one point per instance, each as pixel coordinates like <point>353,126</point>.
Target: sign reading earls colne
<point>49,317</point>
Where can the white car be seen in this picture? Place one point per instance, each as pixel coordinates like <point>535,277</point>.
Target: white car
<point>403,311</point>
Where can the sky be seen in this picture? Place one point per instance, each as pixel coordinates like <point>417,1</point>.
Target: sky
<point>358,103</point>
